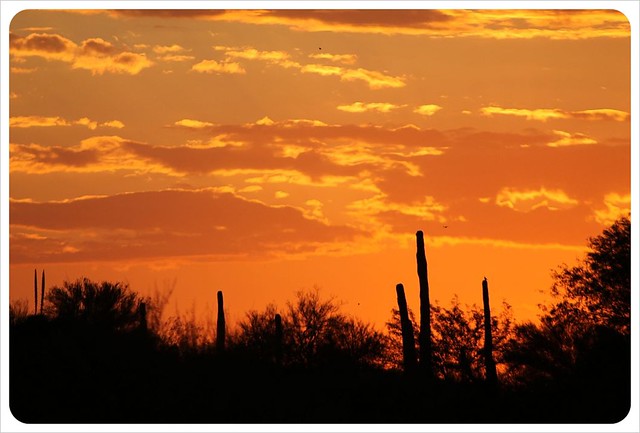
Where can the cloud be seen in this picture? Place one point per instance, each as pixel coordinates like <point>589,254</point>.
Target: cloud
<point>48,121</point>
<point>374,79</point>
<point>601,114</point>
<point>569,139</point>
<point>528,200</point>
<point>48,46</point>
<point>167,49</point>
<point>428,110</point>
<point>153,225</point>
<point>113,124</point>
<point>361,107</point>
<point>615,206</point>
<point>556,24</point>
<point>37,121</point>
<point>94,54</point>
<point>213,66</point>
<point>347,59</point>
<point>544,114</point>
<point>92,155</point>
<point>190,123</point>
<point>18,70</point>
<point>176,58</point>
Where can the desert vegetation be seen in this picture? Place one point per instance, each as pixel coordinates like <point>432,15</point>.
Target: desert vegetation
<point>99,352</point>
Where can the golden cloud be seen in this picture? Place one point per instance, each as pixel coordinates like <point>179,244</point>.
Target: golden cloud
<point>36,121</point>
<point>528,200</point>
<point>211,66</point>
<point>93,54</point>
<point>428,109</point>
<point>45,45</point>
<point>166,49</point>
<point>44,121</point>
<point>544,114</point>
<point>375,79</point>
<point>175,58</point>
<point>347,59</point>
<point>113,124</point>
<point>569,139</point>
<point>479,23</point>
<point>615,206</point>
<point>92,155</point>
<point>190,123</point>
<point>361,107</point>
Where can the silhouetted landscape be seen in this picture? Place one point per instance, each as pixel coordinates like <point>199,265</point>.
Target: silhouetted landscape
<point>98,352</point>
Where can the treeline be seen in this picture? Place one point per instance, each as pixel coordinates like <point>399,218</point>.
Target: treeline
<point>99,352</point>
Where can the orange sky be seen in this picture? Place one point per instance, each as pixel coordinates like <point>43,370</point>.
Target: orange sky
<point>264,152</point>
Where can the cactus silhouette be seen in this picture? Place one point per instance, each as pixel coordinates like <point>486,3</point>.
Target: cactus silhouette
<point>279,336</point>
<point>220,334</point>
<point>35,290</point>
<point>490,365</point>
<point>408,341</point>
<point>425,308</point>
<point>42,293</point>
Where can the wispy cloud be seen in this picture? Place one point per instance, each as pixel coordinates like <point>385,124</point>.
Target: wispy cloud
<point>361,107</point>
<point>523,200</point>
<point>48,121</point>
<point>168,49</point>
<point>213,66</point>
<point>544,114</point>
<point>571,139</point>
<point>347,59</point>
<point>374,79</point>
<point>557,24</point>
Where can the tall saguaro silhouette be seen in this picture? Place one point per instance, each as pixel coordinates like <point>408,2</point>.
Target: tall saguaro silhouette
<point>42,293</point>
<point>35,291</point>
<point>221,329</point>
<point>490,365</point>
<point>425,308</point>
<point>408,341</point>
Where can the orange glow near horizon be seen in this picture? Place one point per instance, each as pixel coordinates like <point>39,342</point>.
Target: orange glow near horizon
<point>265,152</point>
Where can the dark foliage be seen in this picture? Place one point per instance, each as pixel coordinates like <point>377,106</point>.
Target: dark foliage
<point>88,359</point>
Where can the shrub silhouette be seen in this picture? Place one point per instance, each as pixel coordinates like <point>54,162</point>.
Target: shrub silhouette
<point>314,333</point>
<point>457,339</point>
<point>105,305</point>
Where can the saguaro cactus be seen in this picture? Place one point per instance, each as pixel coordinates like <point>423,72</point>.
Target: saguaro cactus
<point>42,293</point>
<point>221,329</point>
<point>278,339</point>
<point>409,360</point>
<point>35,291</point>
<point>490,365</point>
<point>425,308</point>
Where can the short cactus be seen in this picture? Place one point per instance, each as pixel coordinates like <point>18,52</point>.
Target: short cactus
<point>409,361</point>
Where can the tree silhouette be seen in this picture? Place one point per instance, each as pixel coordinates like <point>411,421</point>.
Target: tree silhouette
<point>598,290</point>
<point>581,347</point>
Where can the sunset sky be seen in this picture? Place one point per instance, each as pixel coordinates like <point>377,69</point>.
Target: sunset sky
<point>260,152</point>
